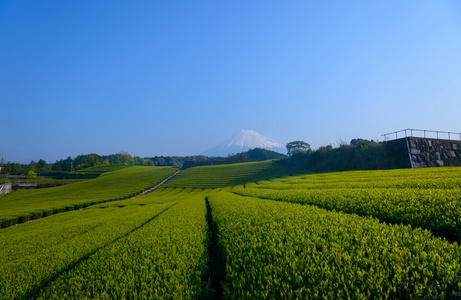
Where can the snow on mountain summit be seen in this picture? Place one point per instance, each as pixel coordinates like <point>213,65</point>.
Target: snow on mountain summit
<point>243,141</point>
<point>250,138</point>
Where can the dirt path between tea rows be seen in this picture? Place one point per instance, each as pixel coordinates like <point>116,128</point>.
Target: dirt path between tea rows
<point>157,186</point>
<point>138,195</point>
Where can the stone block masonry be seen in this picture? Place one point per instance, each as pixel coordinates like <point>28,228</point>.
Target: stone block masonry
<point>6,188</point>
<point>425,152</point>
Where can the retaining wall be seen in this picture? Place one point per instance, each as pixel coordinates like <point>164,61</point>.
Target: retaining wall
<point>426,152</point>
<point>417,152</point>
<point>6,188</point>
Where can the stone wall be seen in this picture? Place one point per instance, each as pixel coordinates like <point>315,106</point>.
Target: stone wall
<point>6,188</point>
<point>434,153</point>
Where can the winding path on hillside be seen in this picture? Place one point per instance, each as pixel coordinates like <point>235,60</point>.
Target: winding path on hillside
<point>150,190</point>
<point>158,185</point>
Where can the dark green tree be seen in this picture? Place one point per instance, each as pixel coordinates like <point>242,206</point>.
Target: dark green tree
<point>161,161</point>
<point>297,146</point>
<point>139,161</point>
<point>10,168</point>
<point>42,166</point>
<point>362,143</point>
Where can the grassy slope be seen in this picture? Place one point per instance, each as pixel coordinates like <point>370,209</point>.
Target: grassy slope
<point>23,205</point>
<point>101,169</point>
<point>227,175</point>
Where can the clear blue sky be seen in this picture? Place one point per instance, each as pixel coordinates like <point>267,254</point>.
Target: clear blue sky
<point>178,77</point>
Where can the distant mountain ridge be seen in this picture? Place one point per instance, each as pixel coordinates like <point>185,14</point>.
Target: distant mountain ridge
<point>242,141</point>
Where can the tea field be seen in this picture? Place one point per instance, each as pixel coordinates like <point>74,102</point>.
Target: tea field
<point>243,231</point>
<point>227,175</point>
<point>426,198</point>
<point>24,205</point>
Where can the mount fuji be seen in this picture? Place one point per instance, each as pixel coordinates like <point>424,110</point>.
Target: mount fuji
<point>244,141</point>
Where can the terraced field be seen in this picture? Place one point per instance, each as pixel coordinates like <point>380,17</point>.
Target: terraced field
<point>248,231</point>
<point>277,250</point>
<point>112,249</point>
<point>101,169</point>
<point>227,175</point>
<point>24,205</point>
<point>426,198</point>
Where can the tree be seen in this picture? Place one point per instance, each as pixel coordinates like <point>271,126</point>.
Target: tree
<point>361,142</point>
<point>41,166</point>
<point>10,168</point>
<point>114,159</point>
<point>125,158</point>
<point>63,165</point>
<point>297,146</point>
<point>161,161</point>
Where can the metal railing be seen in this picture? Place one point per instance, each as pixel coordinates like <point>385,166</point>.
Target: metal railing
<point>431,134</point>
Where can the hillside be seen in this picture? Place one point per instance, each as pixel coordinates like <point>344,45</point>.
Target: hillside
<point>24,205</point>
<point>227,175</point>
<point>242,231</point>
<point>101,169</point>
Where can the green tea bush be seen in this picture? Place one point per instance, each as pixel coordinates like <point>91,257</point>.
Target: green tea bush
<point>34,253</point>
<point>427,198</point>
<point>277,250</point>
<point>165,259</point>
<point>227,175</point>
<point>25,205</point>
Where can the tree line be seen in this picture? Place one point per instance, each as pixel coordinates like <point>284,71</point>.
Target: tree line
<point>89,160</point>
<point>72,164</point>
<point>359,154</point>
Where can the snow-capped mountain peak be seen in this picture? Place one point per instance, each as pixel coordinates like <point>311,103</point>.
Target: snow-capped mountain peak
<point>250,138</point>
<point>243,141</point>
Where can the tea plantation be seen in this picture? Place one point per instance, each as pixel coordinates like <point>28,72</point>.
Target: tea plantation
<point>242,231</point>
